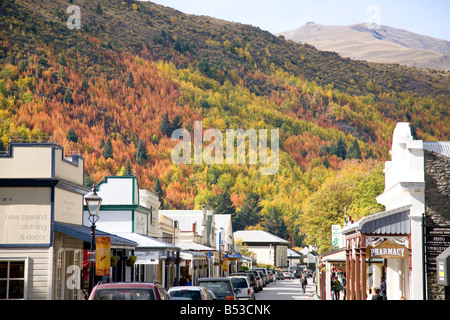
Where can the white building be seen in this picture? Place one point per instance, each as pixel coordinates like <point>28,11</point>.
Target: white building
<point>269,249</point>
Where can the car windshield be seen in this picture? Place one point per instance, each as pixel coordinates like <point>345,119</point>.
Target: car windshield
<point>124,294</point>
<point>239,282</point>
<point>191,294</point>
<point>218,287</point>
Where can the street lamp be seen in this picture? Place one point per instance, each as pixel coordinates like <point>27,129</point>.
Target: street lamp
<point>93,202</point>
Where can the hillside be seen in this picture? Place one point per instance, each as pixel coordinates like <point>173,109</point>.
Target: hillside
<point>115,89</point>
<point>383,44</point>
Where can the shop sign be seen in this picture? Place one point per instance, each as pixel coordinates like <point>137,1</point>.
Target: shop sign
<point>147,257</point>
<point>103,256</point>
<point>386,250</point>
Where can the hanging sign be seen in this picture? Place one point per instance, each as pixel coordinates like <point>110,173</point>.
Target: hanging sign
<point>103,256</point>
<point>386,250</point>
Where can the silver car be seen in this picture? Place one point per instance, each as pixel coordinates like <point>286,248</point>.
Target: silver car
<point>243,289</point>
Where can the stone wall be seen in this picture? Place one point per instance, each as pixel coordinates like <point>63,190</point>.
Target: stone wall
<point>437,205</point>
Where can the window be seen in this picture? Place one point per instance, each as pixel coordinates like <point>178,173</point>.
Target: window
<point>12,279</point>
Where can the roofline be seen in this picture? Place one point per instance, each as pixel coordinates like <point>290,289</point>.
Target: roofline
<point>355,227</point>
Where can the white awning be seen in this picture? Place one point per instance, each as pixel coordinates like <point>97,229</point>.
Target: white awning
<point>146,242</point>
<point>194,246</point>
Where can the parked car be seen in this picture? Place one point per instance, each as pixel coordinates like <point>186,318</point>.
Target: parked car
<point>190,293</point>
<point>222,287</point>
<point>258,277</point>
<point>128,291</point>
<point>243,289</point>
<point>265,275</point>
<point>288,273</point>
<point>251,277</point>
<point>280,275</point>
<point>272,275</point>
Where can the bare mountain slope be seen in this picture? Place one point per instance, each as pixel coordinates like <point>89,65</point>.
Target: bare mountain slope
<point>382,44</point>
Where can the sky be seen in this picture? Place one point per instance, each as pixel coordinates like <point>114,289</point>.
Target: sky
<point>426,17</point>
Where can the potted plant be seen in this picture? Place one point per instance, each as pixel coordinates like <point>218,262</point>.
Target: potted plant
<point>114,260</point>
<point>131,261</point>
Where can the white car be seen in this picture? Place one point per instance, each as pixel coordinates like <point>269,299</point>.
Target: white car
<point>242,287</point>
<point>288,274</point>
<point>190,293</point>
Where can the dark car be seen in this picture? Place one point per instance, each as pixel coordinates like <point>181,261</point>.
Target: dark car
<point>221,287</point>
<point>128,291</point>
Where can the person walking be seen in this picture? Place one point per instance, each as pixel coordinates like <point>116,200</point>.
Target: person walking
<point>376,294</point>
<point>303,282</point>
<point>337,289</point>
<point>382,288</point>
<point>343,284</point>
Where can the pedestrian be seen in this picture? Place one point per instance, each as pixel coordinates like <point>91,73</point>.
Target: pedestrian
<point>343,284</point>
<point>188,281</point>
<point>337,289</point>
<point>383,288</point>
<point>332,287</point>
<point>376,294</point>
<point>304,282</point>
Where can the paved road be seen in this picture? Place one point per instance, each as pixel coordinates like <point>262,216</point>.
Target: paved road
<point>288,289</point>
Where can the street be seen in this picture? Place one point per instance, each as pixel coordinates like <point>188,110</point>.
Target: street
<point>288,289</point>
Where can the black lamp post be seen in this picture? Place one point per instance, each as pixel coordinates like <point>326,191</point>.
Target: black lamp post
<point>93,202</point>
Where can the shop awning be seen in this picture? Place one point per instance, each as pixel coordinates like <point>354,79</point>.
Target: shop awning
<point>394,221</point>
<point>84,233</point>
<point>192,255</point>
<point>192,246</point>
<point>146,242</point>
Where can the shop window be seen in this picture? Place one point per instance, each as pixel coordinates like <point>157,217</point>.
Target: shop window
<point>12,279</point>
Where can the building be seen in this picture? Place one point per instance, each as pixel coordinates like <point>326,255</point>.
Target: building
<point>269,249</point>
<point>401,244</point>
<point>132,213</point>
<point>197,239</point>
<point>42,237</point>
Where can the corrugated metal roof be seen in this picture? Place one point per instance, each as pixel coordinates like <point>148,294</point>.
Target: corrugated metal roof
<point>397,223</point>
<point>441,147</point>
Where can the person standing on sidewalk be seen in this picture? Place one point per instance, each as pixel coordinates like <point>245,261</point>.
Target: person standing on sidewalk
<point>382,288</point>
<point>303,282</point>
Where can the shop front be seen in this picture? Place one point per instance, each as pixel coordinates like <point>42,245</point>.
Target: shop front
<point>377,249</point>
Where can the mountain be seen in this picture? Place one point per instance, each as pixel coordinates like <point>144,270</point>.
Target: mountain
<point>381,44</point>
<point>115,89</point>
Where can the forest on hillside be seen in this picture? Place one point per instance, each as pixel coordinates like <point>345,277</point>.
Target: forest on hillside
<point>116,89</point>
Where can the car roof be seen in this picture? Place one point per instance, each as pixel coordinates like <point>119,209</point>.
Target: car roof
<point>187,288</point>
<point>213,279</point>
<point>126,285</point>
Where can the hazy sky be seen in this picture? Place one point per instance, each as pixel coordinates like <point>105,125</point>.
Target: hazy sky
<point>427,17</point>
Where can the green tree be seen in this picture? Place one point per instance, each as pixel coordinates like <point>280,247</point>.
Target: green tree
<point>141,155</point>
<point>128,171</point>
<point>354,152</point>
<point>222,204</point>
<point>98,9</point>
<point>274,223</point>
<point>107,149</point>
<point>175,124</point>
<point>158,191</point>
<point>68,96</point>
<point>72,136</point>
<point>165,125</point>
<point>341,148</point>
<point>130,81</point>
<point>249,214</point>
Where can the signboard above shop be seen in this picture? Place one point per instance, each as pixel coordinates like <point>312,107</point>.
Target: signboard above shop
<point>386,249</point>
